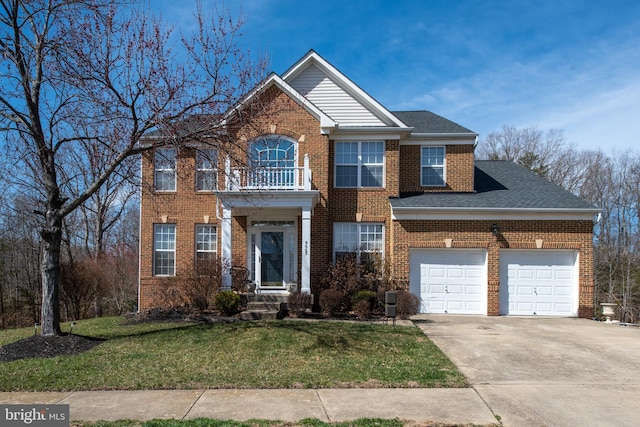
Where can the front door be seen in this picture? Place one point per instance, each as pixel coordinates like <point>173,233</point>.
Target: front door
<point>272,251</point>
<point>272,262</point>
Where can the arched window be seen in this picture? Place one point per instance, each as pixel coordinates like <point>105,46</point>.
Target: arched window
<point>272,152</point>
<point>272,161</point>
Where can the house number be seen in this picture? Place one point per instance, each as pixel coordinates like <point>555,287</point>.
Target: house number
<point>306,247</point>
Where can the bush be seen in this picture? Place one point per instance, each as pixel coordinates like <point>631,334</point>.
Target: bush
<point>406,304</point>
<point>298,303</point>
<point>362,308</point>
<point>368,296</point>
<point>227,303</point>
<point>331,301</point>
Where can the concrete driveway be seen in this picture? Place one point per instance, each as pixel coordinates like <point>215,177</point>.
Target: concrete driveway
<point>545,371</point>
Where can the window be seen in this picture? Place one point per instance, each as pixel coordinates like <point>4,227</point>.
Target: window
<point>206,176</point>
<point>359,164</point>
<point>164,249</point>
<point>432,167</point>
<point>272,162</point>
<point>165,169</point>
<point>206,242</point>
<point>359,240</point>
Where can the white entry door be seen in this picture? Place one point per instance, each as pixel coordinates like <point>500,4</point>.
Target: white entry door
<point>449,281</point>
<point>538,282</point>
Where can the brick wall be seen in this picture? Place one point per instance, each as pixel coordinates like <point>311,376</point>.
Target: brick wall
<point>573,235</point>
<point>459,169</point>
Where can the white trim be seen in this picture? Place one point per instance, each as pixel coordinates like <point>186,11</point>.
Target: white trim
<point>438,139</point>
<point>273,79</point>
<point>287,233</point>
<point>444,166</point>
<point>360,165</point>
<point>477,214</point>
<point>313,58</point>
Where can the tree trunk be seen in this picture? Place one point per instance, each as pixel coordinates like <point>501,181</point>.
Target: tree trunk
<point>50,268</point>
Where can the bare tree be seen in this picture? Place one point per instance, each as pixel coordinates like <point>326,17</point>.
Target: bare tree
<point>98,74</point>
<point>545,153</point>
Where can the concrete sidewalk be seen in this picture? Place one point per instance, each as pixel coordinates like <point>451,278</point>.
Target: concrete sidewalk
<point>453,406</point>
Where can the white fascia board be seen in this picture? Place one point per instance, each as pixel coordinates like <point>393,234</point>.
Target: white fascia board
<point>440,139</point>
<point>268,199</point>
<point>492,214</point>
<point>273,79</point>
<point>368,133</point>
<point>364,97</point>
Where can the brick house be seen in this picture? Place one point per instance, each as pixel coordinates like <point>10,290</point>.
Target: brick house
<point>324,170</point>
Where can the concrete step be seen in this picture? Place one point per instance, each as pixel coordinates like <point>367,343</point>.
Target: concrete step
<point>259,315</point>
<point>259,305</point>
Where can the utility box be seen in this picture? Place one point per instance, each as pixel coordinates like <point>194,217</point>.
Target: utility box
<point>390,304</point>
<point>390,310</point>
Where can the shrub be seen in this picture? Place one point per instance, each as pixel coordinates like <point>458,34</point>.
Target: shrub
<point>362,308</point>
<point>298,303</point>
<point>201,283</point>
<point>331,301</point>
<point>227,303</point>
<point>406,304</point>
<point>343,276</point>
<point>368,296</point>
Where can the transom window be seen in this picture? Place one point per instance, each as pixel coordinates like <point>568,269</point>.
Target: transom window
<point>360,240</point>
<point>432,167</point>
<point>165,169</point>
<point>359,164</point>
<point>164,249</point>
<point>206,162</point>
<point>206,242</point>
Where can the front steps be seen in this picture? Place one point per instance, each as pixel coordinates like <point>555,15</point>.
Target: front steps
<point>265,307</point>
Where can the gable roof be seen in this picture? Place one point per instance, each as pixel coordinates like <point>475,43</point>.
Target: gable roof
<point>426,122</point>
<point>503,190</point>
<point>335,94</point>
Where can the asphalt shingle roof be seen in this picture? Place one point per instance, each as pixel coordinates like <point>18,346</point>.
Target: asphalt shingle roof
<point>500,185</point>
<point>428,122</point>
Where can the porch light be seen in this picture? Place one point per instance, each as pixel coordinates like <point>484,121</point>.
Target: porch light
<point>495,230</point>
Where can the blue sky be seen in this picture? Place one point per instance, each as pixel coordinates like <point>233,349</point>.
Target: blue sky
<point>572,65</point>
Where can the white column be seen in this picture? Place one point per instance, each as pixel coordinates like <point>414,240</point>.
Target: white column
<point>226,248</point>
<point>305,286</point>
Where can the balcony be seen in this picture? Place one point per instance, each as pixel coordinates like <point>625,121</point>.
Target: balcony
<point>268,179</point>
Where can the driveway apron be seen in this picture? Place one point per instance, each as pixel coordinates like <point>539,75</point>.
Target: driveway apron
<point>542,371</point>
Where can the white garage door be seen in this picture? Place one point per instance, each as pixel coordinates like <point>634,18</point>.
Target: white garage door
<point>538,282</point>
<point>449,281</point>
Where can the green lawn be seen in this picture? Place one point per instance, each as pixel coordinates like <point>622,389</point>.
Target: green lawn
<point>277,354</point>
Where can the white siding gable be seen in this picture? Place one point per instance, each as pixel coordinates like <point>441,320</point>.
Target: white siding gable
<point>326,94</point>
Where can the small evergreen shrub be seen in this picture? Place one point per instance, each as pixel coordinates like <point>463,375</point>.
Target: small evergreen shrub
<point>298,303</point>
<point>331,301</point>
<point>407,304</point>
<point>227,303</point>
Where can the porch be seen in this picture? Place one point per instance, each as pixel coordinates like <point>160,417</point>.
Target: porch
<point>277,206</point>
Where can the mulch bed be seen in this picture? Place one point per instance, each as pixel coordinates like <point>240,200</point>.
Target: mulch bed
<point>38,346</point>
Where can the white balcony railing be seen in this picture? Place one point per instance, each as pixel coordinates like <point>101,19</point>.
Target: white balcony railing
<point>268,178</point>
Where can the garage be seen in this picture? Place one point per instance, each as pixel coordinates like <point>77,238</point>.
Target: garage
<point>538,282</point>
<point>449,281</point>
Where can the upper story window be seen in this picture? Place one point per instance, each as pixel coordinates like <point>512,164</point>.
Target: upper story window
<point>206,173</point>
<point>272,162</point>
<point>432,167</point>
<point>164,250</point>
<point>165,169</point>
<point>359,164</point>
